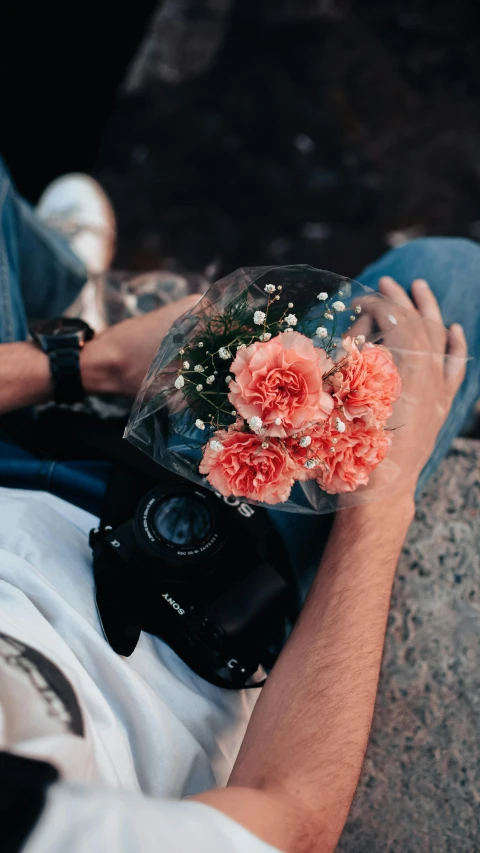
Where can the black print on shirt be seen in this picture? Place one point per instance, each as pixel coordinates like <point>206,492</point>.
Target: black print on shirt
<point>48,681</point>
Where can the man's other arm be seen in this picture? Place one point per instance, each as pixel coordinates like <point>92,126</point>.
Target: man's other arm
<point>296,773</point>
<point>114,362</point>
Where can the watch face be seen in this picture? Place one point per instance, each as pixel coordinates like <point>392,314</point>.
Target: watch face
<point>60,327</point>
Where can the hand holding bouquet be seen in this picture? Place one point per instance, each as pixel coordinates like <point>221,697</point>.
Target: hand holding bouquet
<point>277,387</point>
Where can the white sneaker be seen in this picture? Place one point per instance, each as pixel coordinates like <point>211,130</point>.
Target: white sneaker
<point>77,207</point>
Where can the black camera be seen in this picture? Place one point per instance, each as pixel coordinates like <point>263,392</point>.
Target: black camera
<point>208,575</point>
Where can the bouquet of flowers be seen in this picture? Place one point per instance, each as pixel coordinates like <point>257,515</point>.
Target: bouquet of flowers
<point>277,388</point>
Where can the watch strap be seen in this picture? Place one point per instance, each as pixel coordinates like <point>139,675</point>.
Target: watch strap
<point>66,377</point>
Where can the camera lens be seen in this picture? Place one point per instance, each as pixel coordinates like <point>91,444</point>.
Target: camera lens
<point>182,521</point>
<point>180,526</point>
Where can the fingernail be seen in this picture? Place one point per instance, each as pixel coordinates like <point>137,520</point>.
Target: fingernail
<point>457,329</point>
<point>386,279</point>
<point>420,282</point>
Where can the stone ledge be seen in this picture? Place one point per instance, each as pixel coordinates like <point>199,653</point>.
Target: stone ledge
<point>420,787</point>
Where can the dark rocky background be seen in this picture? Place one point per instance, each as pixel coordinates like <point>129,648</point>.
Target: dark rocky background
<point>287,130</point>
<point>250,131</point>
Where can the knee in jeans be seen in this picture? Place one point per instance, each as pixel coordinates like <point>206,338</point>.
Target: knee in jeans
<point>436,248</point>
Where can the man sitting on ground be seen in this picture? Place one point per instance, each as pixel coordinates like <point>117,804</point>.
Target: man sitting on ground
<point>99,752</point>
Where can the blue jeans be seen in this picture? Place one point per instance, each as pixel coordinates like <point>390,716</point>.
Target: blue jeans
<point>40,277</point>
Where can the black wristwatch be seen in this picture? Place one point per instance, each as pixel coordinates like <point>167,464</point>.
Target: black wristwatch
<point>62,338</point>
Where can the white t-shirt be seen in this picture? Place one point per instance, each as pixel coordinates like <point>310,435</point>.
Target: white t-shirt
<point>129,736</point>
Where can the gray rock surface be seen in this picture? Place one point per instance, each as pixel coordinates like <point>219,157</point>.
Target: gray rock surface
<point>420,787</point>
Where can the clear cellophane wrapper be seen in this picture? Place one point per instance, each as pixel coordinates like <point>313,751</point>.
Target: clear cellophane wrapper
<point>162,424</point>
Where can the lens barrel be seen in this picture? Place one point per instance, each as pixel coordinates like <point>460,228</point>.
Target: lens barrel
<point>183,526</point>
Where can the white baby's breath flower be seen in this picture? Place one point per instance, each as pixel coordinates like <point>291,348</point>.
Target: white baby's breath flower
<point>179,382</point>
<point>216,445</point>
<point>241,346</point>
<point>309,463</point>
<point>322,296</point>
<point>332,450</point>
<point>265,337</point>
<point>210,379</point>
<point>278,421</point>
<point>291,320</point>
<point>181,351</point>
<point>255,423</point>
<point>338,306</point>
<point>392,319</point>
<point>340,292</point>
<point>264,444</point>
<point>305,441</point>
<point>277,298</point>
<point>289,329</point>
<point>233,412</point>
<point>352,317</point>
<point>199,368</point>
<point>279,287</point>
<point>224,353</point>
<point>328,315</point>
<point>199,424</point>
<point>186,365</point>
<point>199,387</point>
<point>200,344</point>
<point>358,309</point>
<point>321,332</point>
<point>228,379</point>
<point>339,425</point>
<point>259,318</point>
<point>360,339</point>
<point>269,288</point>
<point>290,305</point>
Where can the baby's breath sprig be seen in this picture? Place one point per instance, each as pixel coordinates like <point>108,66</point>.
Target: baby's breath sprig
<point>204,376</point>
<point>204,373</point>
<point>327,329</point>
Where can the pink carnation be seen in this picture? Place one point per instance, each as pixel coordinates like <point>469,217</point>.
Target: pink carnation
<point>368,384</point>
<point>242,467</point>
<point>281,380</point>
<point>356,453</point>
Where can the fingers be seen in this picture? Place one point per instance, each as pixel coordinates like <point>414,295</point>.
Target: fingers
<point>423,297</point>
<point>423,303</point>
<point>457,354</point>
<point>383,316</point>
<point>362,326</point>
<point>389,287</point>
<point>429,310</point>
<point>426,301</point>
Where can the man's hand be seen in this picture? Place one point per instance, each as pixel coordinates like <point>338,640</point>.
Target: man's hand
<point>116,361</point>
<point>433,369</point>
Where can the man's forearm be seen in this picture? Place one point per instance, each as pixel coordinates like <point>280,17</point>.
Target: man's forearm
<point>24,376</point>
<point>114,362</point>
<point>306,740</point>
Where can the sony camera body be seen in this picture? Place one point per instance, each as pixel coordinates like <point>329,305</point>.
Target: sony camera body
<point>208,575</point>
